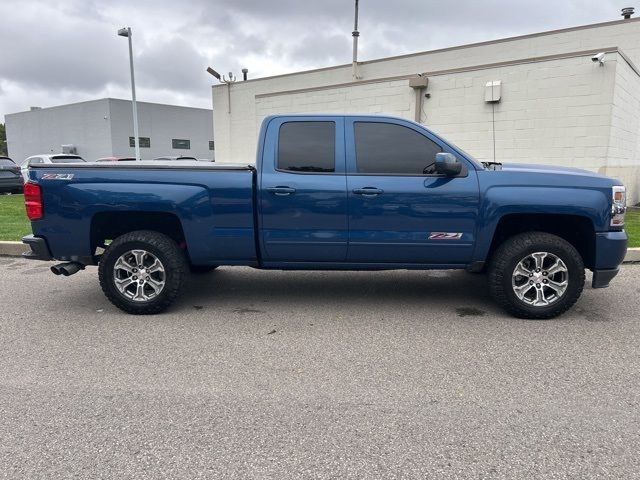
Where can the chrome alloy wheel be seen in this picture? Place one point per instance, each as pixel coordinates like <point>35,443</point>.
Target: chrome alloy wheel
<point>540,279</point>
<point>139,275</point>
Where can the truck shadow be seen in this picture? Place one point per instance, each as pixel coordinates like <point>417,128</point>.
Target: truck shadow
<point>245,288</point>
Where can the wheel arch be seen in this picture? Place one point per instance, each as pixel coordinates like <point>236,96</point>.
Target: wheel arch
<point>578,230</point>
<point>106,226</point>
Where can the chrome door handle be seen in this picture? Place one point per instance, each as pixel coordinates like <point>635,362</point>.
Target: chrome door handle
<point>281,190</point>
<point>368,191</point>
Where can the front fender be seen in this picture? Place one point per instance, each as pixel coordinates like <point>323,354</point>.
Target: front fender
<point>501,200</point>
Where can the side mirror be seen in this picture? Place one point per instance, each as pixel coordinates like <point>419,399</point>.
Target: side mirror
<point>447,164</point>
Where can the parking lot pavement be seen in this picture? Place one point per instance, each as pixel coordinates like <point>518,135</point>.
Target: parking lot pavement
<point>257,374</point>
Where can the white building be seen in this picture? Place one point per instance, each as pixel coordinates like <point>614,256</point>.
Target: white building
<point>557,106</point>
<point>104,128</point>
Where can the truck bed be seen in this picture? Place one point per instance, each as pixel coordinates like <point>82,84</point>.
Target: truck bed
<point>214,205</point>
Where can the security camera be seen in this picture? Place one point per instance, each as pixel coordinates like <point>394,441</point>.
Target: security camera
<point>598,57</point>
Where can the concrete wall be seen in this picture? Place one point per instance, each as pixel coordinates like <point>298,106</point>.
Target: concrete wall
<point>84,124</point>
<point>623,152</point>
<point>557,105</point>
<point>101,128</point>
<point>161,123</point>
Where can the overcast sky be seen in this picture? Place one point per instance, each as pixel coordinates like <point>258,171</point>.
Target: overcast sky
<point>56,52</point>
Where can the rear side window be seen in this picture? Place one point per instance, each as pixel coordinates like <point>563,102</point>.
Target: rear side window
<point>384,148</point>
<point>307,147</point>
<point>34,161</point>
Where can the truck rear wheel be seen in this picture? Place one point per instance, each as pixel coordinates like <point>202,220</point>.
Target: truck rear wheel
<point>142,272</point>
<point>536,275</point>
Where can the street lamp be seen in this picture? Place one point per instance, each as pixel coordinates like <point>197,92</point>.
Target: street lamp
<point>126,32</point>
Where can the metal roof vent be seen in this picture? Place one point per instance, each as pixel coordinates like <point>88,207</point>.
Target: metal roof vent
<point>627,12</point>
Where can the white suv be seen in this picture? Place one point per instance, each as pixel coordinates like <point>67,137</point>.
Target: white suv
<point>48,158</point>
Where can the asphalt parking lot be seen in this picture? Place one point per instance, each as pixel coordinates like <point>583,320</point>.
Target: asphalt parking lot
<point>257,374</point>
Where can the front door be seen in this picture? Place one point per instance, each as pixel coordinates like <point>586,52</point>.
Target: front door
<point>303,199</point>
<point>400,211</point>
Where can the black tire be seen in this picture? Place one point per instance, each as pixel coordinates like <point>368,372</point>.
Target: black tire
<point>201,269</point>
<point>509,255</point>
<point>167,251</point>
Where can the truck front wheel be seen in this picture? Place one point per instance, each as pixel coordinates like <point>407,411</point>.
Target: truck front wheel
<point>536,275</point>
<point>142,272</point>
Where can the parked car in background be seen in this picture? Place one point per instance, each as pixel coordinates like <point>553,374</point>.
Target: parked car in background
<point>116,159</point>
<point>49,159</point>
<point>170,157</point>
<point>10,177</point>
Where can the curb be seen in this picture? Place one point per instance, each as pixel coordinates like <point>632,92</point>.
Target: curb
<point>15,249</point>
<point>12,249</point>
<point>632,256</point>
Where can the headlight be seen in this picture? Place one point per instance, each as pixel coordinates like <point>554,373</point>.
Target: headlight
<point>618,205</point>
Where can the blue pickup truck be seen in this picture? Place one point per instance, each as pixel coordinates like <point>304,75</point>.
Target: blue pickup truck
<point>332,192</point>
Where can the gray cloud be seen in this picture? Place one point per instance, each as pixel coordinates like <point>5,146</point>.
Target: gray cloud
<point>58,52</point>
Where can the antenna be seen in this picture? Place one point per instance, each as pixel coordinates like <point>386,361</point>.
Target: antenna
<point>355,34</point>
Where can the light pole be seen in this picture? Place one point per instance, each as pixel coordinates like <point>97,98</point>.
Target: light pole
<point>126,32</point>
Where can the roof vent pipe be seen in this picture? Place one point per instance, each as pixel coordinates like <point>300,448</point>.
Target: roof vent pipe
<point>627,12</point>
<point>244,74</point>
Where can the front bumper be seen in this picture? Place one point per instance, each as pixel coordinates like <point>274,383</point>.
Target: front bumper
<point>601,278</point>
<point>611,248</point>
<point>39,248</point>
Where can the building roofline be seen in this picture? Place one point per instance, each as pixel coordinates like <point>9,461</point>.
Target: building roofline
<point>449,71</point>
<point>447,49</point>
<point>106,99</point>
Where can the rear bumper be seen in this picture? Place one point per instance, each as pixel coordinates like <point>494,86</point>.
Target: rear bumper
<point>39,248</point>
<point>611,248</point>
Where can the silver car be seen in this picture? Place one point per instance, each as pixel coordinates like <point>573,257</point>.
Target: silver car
<point>48,158</point>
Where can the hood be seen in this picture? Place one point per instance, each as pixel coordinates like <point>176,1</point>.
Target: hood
<point>535,168</point>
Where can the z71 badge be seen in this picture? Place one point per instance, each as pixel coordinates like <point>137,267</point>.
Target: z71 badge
<point>445,236</point>
<point>57,176</point>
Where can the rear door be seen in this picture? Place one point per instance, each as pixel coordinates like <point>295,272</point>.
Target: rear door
<point>400,211</point>
<point>303,199</point>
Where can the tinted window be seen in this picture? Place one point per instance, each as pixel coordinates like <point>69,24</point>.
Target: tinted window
<point>66,159</point>
<point>181,144</point>
<point>393,149</point>
<point>212,145</point>
<point>5,162</point>
<point>145,142</point>
<point>307,147</point>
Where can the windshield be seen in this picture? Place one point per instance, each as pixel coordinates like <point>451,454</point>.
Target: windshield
<point>66,159</point>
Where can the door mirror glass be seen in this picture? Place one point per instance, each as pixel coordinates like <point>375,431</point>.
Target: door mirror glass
<point>447,164</point>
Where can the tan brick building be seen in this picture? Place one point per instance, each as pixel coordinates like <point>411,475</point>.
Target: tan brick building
<point>557,105</point>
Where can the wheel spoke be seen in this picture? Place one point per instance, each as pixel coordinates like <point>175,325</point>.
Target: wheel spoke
<point>156,266</point>
<point>559,266</point>
<point>522,290</point>
<point>559,287</point>
<point>539,259</point>
<point>156,285</point>
<point>123,283</point>
<point>122,264</point>
<point>522,270</point>
<point>139,256</point>
<point>541,299</point>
